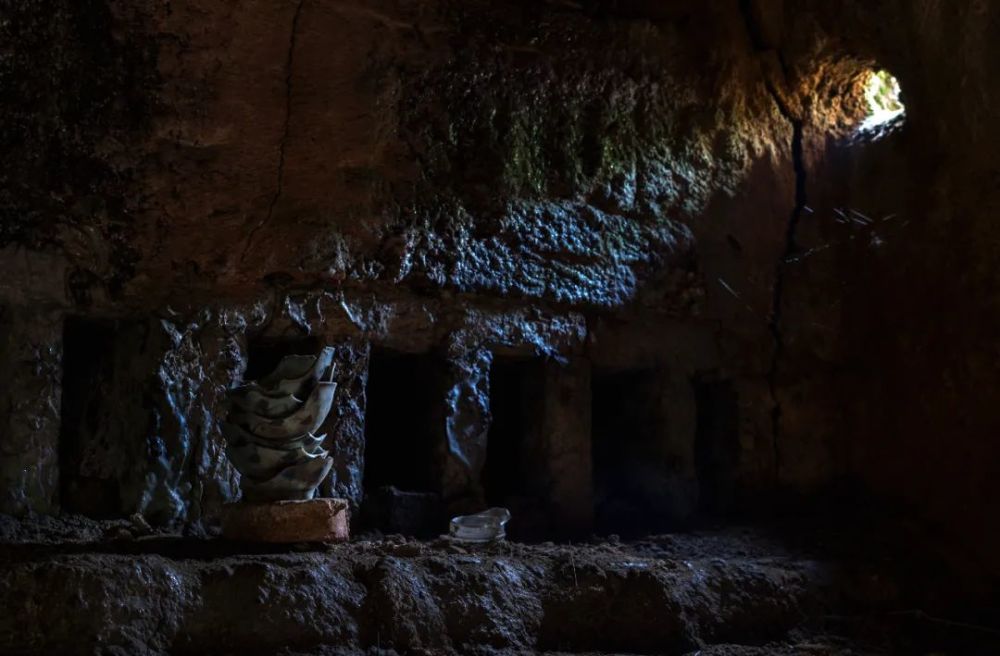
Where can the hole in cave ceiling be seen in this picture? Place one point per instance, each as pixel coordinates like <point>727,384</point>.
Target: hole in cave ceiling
<point>884,108</point>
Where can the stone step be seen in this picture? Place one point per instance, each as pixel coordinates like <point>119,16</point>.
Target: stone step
<point>410,596</point>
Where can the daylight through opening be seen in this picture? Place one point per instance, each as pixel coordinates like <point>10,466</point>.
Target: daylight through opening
<point>885,110</point>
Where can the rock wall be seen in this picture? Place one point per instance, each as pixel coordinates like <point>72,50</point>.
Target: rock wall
<point>30,360</point>
<point>448,180</point>
<point>892,356</point>
<point>611,185</point>
<point>141,430</point>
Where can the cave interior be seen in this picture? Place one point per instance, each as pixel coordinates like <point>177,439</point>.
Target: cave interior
<point>705,294</point>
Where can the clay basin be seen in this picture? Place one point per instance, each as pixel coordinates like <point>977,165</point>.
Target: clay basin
<point>293,374</point>
<point>294,482</point>
<point>306,419</point>
<point>261,462</point>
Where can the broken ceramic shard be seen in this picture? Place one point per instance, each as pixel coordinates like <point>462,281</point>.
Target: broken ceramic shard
<point>264,462</point>
<point>295,482</point>
<point>486,526</point>
<point>237,435</point>
<point>252,399</point>
<point>307,417</point>
<point>293,375</point>
<point>271,425</point>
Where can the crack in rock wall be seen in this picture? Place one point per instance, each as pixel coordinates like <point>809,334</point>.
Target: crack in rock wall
<point>897,389</point>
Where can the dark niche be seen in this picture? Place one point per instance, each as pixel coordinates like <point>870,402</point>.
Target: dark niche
<point>404,443</point>
<point>86,485</point>
<point>514,475</point>
<point>717,444</point>
<point>631,489</point>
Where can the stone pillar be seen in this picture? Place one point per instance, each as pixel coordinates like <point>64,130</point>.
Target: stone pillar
<point>757,471</point>
<point>30,398</point>
<point>677,419</point>
<point>466,427</point>
<point>566,448</point>
<point>345,426</point>
<point>142,405</point>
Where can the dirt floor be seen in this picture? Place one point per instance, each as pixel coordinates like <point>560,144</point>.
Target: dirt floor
<point>80,586</point>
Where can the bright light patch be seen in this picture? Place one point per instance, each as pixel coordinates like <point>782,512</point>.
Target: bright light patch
<point>884,107</point>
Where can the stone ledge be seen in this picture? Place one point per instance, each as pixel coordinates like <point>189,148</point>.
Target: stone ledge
<point>671,595</point>
<point>315,520</point>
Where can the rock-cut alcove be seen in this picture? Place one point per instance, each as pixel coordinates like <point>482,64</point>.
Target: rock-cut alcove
<point>86,487</point>
<point>404,442</point>
<point>514,471</point>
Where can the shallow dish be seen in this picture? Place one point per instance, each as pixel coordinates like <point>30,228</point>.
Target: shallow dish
<point>306,419</point>
<point>236,434</point>
<point>259,461</point>
<point>295,373</point>
<point>297,481</point>
<point>251,399</point>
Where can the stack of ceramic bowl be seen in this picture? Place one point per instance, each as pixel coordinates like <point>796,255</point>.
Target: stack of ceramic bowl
<point>271,429</point>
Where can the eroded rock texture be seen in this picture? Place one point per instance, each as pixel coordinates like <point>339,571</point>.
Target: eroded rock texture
<point>673,596</point>
<point>606,186</point>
